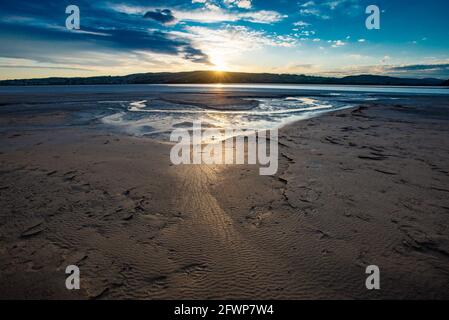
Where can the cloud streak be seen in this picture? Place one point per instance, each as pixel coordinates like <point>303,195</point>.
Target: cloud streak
<point>422,67</point>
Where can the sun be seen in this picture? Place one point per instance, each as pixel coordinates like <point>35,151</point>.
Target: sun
<point>219,65</point>
<point>220,68</point>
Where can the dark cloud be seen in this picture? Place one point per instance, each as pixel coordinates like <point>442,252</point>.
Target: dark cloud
<point>163,16</point>
<point>421,70</point>
<point>196,55</point>
<point>422,67</point>
<point>102,30</point>
<point>69,43</point>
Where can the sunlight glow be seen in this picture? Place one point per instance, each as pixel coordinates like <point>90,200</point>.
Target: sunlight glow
<point>219,64</point>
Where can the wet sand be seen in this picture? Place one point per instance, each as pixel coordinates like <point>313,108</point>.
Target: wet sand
<point>363,186</point>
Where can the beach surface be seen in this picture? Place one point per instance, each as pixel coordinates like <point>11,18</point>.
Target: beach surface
<point>362,186</point>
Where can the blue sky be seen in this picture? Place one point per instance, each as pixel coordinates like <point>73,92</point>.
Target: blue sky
<point>326,37</point>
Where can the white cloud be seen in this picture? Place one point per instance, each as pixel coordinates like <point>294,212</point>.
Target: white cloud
<point>385,59</point>
<point>313,12</point>
<point>308,4</point>
<point>301,24</point>
<point>243,4</point>
<point>234,38</point>
<point>350,6</point>
<point>334,4</point>
<point>124,8</point>
<point>323,10</point>
<point>305,33</point>
<point>263,16</point>
<point>338,43</point>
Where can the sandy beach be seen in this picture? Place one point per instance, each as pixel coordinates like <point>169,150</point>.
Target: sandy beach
<point>356,187</point>
<point>224,158</point>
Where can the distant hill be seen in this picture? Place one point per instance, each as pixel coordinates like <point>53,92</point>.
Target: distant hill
<point>383,80</point>
<point>208,77</point>
<point>446,83</point>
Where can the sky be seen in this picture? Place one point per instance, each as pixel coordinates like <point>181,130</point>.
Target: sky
<point>326,38</point>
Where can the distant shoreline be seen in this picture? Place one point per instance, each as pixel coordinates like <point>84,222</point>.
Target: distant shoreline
<point>227,84</point>
<point>212,77</point>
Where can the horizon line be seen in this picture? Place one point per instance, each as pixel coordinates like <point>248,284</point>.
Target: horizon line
<point>222,72</point>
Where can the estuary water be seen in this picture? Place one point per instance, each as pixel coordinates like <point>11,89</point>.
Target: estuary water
<point>141,110</point>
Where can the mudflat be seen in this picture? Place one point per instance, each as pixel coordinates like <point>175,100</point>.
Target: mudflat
<point>358,187</point>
